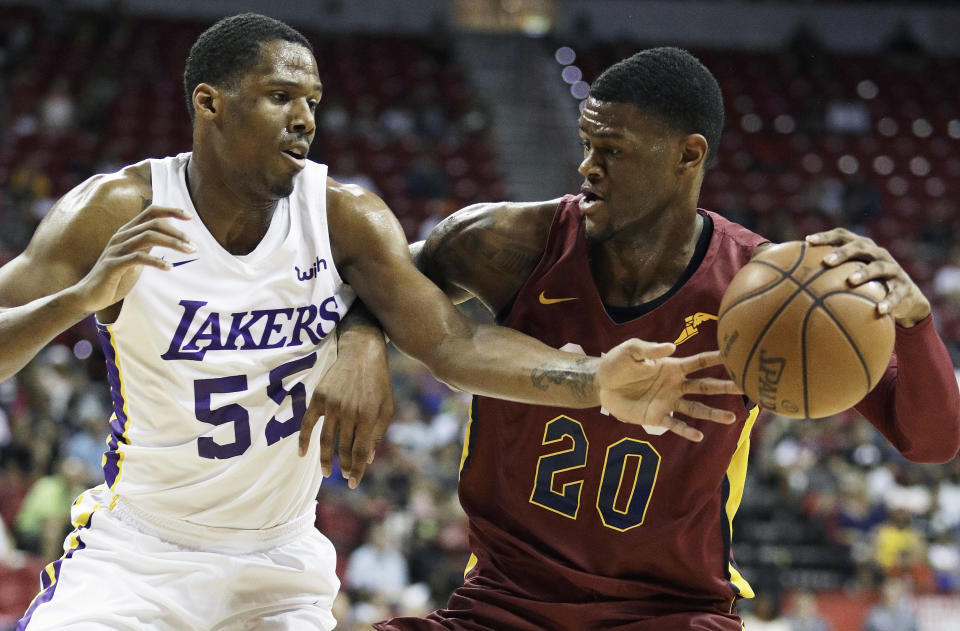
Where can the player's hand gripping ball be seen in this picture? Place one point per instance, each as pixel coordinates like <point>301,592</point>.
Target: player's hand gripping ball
<point>797,338</point>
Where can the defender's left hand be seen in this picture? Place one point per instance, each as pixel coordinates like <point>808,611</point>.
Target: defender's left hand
<point>904,300</point>
<point>355,397</point>
<point>640,383</point>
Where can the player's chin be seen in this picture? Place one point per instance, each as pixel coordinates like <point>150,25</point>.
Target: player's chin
<point>281,187</point>
<point>596,231</point>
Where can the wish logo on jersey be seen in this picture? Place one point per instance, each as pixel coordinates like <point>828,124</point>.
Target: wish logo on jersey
<point>200,330</point>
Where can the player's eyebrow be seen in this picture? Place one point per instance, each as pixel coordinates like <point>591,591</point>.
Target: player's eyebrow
<point>318,86</point>
<point>601,134</point>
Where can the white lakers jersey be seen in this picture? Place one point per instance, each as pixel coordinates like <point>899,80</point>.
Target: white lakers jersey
<point>212,364</point>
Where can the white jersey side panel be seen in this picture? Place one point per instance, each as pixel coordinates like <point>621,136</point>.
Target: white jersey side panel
<point>212,363</point>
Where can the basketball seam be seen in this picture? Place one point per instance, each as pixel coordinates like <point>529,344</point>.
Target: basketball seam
<point>856,349</point>
<point>783,274</point>
<point>801,288</point>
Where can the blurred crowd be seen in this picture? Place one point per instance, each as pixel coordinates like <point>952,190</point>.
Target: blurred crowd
<point>830,508</point>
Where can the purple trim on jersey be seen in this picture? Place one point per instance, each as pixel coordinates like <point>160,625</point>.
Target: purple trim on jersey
<point>111,464</point>
<point>47,586</point>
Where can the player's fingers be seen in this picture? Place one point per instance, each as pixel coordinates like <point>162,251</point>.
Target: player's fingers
<point>860,249</point>
<point>640,350</point>
<point>147,240</point>
<point>345,449</point>
<point>657,351</point>
<point>709,386</point>
<point>836,236</point>
<point>159,226</point>
<point>328,443</point>
<point>693,363</point>
<point>683,430</point>
<point>875,270</point>
<point>132,259</point>
<point>363,451</point>
<point>313,413</point>
<point>155,211</point>
<point>696,409</point>
<point>892,299</point>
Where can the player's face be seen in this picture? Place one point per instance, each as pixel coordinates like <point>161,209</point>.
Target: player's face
<point>268,122</point>
<point>629,168</point>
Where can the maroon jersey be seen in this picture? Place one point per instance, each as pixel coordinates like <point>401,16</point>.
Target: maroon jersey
<point>575,505</point>
<point>579,521</point>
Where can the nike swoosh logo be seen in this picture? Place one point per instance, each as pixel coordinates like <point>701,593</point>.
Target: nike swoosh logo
<point>550,301</point>
<point>179,263</point>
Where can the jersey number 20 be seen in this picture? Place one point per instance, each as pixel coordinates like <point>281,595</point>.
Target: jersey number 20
<point>622,515</point>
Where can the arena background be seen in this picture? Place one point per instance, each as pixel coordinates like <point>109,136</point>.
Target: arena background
<point>838,113</point>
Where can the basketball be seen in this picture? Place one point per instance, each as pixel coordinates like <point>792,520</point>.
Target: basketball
<point>797,338</point>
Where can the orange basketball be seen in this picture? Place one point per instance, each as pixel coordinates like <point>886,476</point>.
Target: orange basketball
<point>797,338</point>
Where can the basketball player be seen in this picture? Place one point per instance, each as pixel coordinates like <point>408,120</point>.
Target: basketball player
<point>580,522</point>
<point>219,278</point>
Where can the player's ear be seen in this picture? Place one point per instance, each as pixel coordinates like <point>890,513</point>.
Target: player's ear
<point>693,152</point>
<point>206,100</point>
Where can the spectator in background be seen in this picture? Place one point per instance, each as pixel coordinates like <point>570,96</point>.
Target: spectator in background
<point>425,178</point>
<point>862,201</point>
<point>946,515</point>
<point>896,611</point>
<point>903,49</point>
<point>348,172</point>
<point>16,462</point>
<point>57,108</point>
<point>847,116</point>
<point>909,492</point>
<point>765,616</point>
<point>378,568</point>
<point>805,615</point>
<point>898,546</point>
<point>943,555</point>
<point>43,520</point>
<point>946,282</point>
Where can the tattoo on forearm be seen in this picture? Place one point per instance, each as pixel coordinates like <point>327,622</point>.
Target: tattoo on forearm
<point>576,379</point>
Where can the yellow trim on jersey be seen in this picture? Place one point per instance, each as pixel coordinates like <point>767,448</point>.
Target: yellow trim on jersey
<point>471,563</point>
<point>466,439</point>
<point>736,477</point>
<point>123,395</point>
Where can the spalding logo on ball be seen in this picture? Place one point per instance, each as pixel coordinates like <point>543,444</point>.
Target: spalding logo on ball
<point>797,338</point>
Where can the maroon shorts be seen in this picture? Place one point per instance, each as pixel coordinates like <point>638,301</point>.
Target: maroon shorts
<point>484,609</point>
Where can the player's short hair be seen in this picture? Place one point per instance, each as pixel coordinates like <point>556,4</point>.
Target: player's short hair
<point>670,84</point>
<point>230,47</point>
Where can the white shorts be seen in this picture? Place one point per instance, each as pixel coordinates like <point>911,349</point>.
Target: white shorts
<point>116,574</point>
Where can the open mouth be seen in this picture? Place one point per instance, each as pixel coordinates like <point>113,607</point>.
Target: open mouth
<point>298,157</point>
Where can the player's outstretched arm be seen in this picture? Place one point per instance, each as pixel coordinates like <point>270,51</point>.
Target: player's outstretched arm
<point>85,256</point>
<point>371,253</point>
<point>355,395</point>
<point>916,404</point>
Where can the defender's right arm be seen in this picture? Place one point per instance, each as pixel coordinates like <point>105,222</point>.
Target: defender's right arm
<point>84,257</point>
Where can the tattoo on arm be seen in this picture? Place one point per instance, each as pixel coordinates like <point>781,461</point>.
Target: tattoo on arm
<point>575,379</point>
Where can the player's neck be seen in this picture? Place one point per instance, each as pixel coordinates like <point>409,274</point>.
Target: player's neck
<point>637,267</point>
<point>237,223</point>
